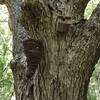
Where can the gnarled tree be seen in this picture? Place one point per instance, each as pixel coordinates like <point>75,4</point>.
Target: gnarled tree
<point>54,48</point>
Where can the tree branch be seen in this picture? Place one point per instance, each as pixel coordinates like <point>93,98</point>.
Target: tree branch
<point>70,8</point>
<point>77,8</point>
<point>94,21</point>
<point>80,5</point>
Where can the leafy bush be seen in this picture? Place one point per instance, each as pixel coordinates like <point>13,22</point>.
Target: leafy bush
<point>6,79</point>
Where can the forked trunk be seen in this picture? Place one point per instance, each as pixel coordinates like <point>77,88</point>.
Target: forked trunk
<point>55,49</point>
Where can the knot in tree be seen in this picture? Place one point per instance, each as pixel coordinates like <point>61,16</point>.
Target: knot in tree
<point>33,50</point>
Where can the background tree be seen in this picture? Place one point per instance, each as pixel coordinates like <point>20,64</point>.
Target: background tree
<point>54,48</point>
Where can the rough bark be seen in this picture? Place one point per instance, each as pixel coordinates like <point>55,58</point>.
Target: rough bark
<point>54,48</point>
<point>2,1</point>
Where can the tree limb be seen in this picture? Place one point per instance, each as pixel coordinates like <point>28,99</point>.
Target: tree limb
<point>80,5</point>
<point>71,8</point>
<point>94,21</point>
<point>77,7</point>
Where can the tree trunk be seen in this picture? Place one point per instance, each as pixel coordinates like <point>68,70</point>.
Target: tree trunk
<point>54,48</point>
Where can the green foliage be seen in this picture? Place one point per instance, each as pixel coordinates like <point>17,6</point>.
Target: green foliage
<point>92,90</point>
<point>90,7</point>
<point>94,87</point>
<point>6,79</point>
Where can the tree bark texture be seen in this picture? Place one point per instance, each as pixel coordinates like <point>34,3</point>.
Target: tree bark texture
<point>54,48</point>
